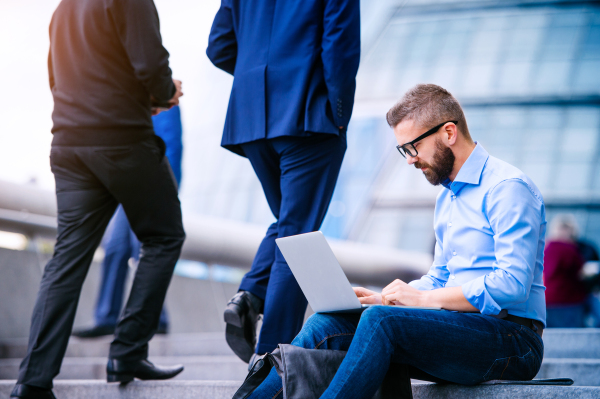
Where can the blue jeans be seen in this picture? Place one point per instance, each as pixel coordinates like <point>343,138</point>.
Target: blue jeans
<point>444,347</point>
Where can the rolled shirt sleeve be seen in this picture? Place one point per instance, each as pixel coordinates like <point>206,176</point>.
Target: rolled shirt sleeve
<point>515,214</point>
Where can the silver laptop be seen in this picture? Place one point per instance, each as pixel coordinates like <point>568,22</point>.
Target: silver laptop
<point>319,274</point>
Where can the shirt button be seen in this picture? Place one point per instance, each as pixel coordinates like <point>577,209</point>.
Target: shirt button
<point>453,277</point>
<point>450,224</point>
<point>454,253</point>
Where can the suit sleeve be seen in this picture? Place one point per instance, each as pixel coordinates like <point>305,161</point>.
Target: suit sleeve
<point>138,28</point>
<point>222,43</point>
<point>341,55</point>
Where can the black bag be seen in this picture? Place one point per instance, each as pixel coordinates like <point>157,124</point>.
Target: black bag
<point>306,374</point>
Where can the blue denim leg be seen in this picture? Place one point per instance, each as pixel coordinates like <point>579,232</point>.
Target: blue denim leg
<point>321,331</point>
<point>118,250</point>
<point>464,348</point>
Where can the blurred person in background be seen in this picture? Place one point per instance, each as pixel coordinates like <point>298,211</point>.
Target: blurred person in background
<point>566,292</point>
<point>120,243</point>
<point>294,65</point>
<point>107,68</point>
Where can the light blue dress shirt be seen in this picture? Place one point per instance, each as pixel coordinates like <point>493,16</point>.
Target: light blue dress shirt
<point>490,225</point>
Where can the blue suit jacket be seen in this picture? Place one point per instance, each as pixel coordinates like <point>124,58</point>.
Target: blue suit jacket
<point>294,64</point>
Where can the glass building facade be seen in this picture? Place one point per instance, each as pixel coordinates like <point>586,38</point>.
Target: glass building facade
<point>528,76</point>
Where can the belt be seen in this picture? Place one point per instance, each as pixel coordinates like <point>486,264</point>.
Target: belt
<point>530,323</point>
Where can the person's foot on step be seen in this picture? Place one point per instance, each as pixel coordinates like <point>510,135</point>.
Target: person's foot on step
<point>126,371</point>
<point>93,332</point>
<point>24,391</point>
<point>241,315</point>
<point>162,329</point>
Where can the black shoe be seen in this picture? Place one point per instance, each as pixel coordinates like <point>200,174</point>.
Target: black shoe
<point>162,330</point>
<point>30,392</point>
<point>241,315</point>
<point>93,332</point>
<point>126,371</point>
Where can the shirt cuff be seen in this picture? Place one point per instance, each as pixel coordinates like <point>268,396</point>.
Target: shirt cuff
<point>478,296</point>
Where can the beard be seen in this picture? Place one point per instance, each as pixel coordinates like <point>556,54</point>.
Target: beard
<point>443,163</point>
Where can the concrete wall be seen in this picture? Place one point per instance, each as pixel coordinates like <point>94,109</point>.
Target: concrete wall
<point>193,305</point>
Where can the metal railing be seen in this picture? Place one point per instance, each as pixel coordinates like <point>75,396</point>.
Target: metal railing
<point>32,211</point>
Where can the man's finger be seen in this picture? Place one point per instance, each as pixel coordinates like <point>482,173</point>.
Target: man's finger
<point>371,300</point>
<point>390,289</point>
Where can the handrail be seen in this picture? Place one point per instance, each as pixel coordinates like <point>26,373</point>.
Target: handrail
<point>32,211</point>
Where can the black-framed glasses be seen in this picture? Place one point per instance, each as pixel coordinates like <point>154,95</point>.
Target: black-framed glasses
<point>409,148</point>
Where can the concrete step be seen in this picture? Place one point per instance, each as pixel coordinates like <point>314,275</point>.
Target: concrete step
<point>585,372</point>
<point>185,344</point>
<point>93,389</point>
<point>558,343</point>
<point>572,343</point>
<point>196,367</point>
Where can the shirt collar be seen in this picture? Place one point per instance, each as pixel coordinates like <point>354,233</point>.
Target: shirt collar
<point>470,172</point>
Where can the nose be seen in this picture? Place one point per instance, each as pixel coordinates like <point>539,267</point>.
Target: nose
<point>410,159</point>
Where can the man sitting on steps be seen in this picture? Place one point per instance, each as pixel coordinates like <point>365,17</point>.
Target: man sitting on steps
<point>487,270</point>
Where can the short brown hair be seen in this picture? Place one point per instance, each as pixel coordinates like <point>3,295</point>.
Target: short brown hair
<point>428,105</point>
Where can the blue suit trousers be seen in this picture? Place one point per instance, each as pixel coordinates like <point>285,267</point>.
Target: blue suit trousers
<point>298,176</point>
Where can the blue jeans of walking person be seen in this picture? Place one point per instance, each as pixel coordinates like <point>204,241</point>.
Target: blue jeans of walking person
<point>439,346</point>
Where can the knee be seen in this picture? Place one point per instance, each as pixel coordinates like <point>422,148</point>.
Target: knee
<point>315,323</point>
<point>168,242</point>
<point>312,331</point>
<point>373,314</point>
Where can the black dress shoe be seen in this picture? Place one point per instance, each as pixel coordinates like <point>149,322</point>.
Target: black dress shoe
<point>93,332</point>
<point>241,315</point>
<point>30,392</point>
<point>126,371</point>
<point>162,330</point>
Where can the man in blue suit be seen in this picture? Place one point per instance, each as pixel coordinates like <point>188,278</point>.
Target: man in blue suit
<point>294,65</point>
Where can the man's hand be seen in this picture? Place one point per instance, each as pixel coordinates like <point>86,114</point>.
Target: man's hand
<point>367,297</point>
<point>158,110</point>
<point>178,93</point>
<point>400,293</point>
<point>173,101</point>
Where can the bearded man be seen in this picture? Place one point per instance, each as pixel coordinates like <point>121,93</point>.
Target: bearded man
<point>487,271</point>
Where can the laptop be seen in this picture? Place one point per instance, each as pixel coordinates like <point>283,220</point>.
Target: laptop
<point>320,276</point>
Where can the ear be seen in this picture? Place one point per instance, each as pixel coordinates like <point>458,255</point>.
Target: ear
<point>451,132</point>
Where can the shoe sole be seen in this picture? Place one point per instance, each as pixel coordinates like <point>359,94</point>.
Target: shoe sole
<point>125,378</point>
<point>233,317</point>
<point>119,378</point>
<point>237,342</point>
